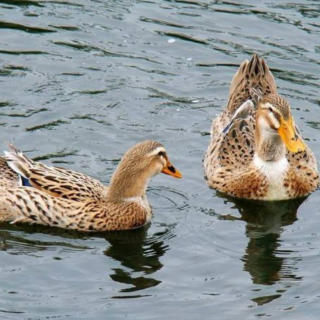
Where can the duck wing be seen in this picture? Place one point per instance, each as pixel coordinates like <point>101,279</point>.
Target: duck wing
<point>234,146</point>
<point>57,182</point>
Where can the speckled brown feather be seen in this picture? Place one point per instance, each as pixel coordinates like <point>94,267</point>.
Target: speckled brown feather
<point>229,159</point>
<point>251,74</point>
<point>8,178</point>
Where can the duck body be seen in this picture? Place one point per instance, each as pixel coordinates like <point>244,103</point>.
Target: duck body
<point>31,192</point>
<point>256,150</point>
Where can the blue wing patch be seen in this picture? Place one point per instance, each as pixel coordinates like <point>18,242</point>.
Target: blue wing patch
<point>25,182</point>
<point>225,130</point>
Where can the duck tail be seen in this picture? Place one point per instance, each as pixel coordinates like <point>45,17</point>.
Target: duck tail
<point>253,74</point>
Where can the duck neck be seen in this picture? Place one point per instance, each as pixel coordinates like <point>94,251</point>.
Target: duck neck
<point>269,145</point>
<point>125,185</point>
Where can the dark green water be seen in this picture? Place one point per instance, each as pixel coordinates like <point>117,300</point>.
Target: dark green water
<point>80,82</point>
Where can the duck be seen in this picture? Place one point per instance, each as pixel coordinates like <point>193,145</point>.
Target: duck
<point>256,150</point>
<point>34,193</point>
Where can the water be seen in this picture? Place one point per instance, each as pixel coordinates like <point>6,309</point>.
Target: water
<point>81,82</point>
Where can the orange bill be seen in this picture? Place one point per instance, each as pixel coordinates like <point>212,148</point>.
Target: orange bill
<point>171,170</point>
<point>290,137</point>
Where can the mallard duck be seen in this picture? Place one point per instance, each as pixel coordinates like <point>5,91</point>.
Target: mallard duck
<point>32,192</point>
<point>256,150</point>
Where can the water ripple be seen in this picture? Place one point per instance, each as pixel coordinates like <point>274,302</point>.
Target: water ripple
<point>48,125</point>
<point>25,28</point>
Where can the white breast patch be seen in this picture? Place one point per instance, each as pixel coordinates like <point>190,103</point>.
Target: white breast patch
<point>275,171</point>
<point>143,202</point>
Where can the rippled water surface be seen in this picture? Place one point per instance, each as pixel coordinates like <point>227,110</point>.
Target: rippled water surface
<point>80,82</point>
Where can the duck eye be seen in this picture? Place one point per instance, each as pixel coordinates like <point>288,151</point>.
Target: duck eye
<point>161,154</point>
<point>270,109</point>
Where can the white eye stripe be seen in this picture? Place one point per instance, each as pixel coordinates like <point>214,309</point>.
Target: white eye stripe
<point>156,151</point>
<point>274,120</point>
<point>267,106</point>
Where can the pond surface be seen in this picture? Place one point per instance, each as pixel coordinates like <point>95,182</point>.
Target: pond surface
<point>82,81</point>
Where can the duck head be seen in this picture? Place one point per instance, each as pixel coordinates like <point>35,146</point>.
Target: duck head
<point>275,128</point>
<point>139,164</point>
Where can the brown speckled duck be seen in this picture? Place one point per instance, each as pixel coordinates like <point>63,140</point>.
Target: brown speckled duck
<point>256,150</point>
<point>31,192</point>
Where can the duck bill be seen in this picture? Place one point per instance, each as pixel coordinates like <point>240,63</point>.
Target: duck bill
<point>171,170</point>
<point>290,137</point>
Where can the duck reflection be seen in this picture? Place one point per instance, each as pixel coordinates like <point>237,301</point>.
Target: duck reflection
<point>265,221</point>
<point>138,254</point>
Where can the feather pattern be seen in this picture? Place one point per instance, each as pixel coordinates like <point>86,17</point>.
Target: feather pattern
<point>29,205</point>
